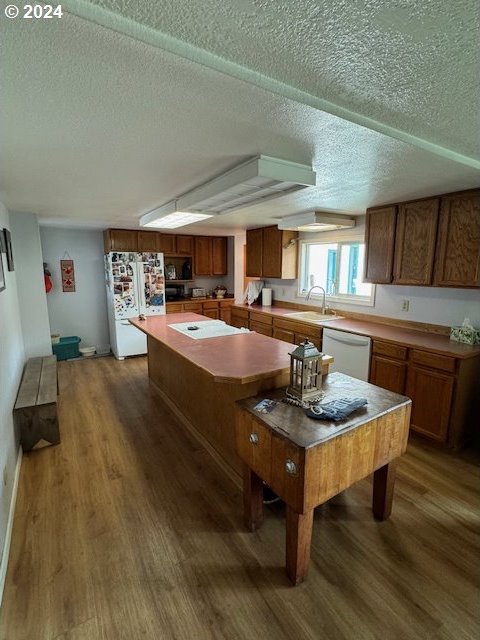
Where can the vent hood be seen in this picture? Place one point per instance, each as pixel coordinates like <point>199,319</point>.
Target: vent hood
<point>315,221</point>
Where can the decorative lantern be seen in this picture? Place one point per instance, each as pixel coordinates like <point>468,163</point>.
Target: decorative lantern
<point>305,372</point>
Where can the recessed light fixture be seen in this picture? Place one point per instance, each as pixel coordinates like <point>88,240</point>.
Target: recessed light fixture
<point>256,180</point>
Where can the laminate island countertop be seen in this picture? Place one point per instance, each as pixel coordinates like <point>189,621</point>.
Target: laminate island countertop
<point>413,338</point>
<point>239,358</point>
<point>200,380</point>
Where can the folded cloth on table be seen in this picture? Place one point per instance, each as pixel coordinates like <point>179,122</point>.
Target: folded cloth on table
<point>335,409</point>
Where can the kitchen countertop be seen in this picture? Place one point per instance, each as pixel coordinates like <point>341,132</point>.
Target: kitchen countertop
<point>240,358</point>
<point>398,335</point>
<point>228,297</point>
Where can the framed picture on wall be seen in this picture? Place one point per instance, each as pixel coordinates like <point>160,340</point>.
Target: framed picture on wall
<point>2,274</point>
<point>8,245</point>
<point>3,247</point>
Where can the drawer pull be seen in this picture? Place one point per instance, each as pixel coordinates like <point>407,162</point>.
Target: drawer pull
<point>253,437</point>
<point>290,467</point>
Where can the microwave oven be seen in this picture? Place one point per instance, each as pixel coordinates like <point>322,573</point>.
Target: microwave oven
<point>198,293</point>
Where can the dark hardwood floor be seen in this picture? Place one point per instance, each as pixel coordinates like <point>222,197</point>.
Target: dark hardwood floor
<point>129,529</point>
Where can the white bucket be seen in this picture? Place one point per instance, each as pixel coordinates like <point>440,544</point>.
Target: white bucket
<point>87,351</point>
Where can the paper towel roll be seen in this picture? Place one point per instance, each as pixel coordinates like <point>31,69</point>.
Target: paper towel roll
<point>267,297</point>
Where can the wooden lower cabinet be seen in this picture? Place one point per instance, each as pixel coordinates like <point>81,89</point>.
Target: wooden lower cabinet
<point>388,366</point>
<point>284,334</point>
<point>239,318</point>
<point>225,310</point>
<point>445,400</point>
<point>215,309</point>
<point>388,373</point>
<point>296,332</point>
<point>431,393</point>
<point>264,329</point>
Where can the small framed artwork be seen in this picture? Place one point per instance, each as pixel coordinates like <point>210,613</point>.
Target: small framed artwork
<point>8,246</point>
<point>2,274</point>
<point>3,248</point>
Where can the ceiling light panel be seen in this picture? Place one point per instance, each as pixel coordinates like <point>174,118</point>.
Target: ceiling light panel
<point>257,179</point>
<point>177,219</point>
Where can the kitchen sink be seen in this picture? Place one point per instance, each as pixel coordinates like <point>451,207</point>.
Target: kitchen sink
<point>312,316</point>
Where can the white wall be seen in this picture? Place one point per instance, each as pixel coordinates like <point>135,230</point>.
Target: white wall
<point>81,313</point>
<point>435,305</point>
<point>27,256</point>
<point>12,358</point>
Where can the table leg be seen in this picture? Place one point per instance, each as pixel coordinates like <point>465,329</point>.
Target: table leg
<point>299,538</point>
<point>383,483</point>
<point>252,499</point>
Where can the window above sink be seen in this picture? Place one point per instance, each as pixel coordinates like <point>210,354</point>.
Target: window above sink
<point>338,268</point>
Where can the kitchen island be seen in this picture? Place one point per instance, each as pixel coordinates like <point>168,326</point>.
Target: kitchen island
<point>200,380</point>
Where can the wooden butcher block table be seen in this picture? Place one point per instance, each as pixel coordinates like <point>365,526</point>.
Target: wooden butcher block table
<point>307,461</point>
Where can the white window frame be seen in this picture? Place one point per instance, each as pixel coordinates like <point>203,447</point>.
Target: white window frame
<point>367,301</point>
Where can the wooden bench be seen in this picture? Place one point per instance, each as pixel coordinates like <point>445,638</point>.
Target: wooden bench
<point>35,411</point>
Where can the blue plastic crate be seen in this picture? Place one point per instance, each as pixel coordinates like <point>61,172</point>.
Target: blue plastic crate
<point>67,348</point>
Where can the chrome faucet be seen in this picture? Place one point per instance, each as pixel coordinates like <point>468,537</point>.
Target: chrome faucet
<point>324,294</point>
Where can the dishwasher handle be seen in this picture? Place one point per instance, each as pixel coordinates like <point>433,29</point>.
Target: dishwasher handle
<point>353,342</point>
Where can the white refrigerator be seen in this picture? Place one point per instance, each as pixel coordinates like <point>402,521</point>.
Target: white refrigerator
<point>135,285</point>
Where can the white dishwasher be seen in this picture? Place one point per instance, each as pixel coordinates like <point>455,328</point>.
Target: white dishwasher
<point>350,351</point>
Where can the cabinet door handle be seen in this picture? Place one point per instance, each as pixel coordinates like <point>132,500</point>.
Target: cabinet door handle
<point>290,467</point>
<point>253,438</point>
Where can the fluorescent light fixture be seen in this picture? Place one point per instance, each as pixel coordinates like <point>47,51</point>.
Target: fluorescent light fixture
<point>170,217</point>
<point>251,182</point>
<point>256,180</point>
<point>315,221</point>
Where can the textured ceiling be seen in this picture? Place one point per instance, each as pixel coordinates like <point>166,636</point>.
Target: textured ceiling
<point>98,128</point>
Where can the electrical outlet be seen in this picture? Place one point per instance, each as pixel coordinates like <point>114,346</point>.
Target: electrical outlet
<point>405,305</point>
<point>284,291</point>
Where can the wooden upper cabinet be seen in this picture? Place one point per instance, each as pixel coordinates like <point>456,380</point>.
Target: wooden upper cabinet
<point>166,243</point>
<point>379,244</point>
<point>219,256</point>
<point>120,240</point>
<point>415,241</point>
<point>203,256</point>
<point>210,256</point>
<point>271,253</point>
<point>147,240</point>
<point>457,260</point>
<point>184,245</point>
<point>253,267</point>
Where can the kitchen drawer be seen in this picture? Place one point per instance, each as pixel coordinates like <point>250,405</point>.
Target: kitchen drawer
<point>283,334</point>
<point>192,307</point>
<point>259,327</point>
<point>254,444</point>
<point>174,308</point>
<point>210,304</point>
<point>226,303</point>
<point>287,479</point>
<point>388,349</point>
<point>211,313</point>
<point>432,360</point>
<point>240,313</point>
<point>260,317</point>
<point>298,327</point>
